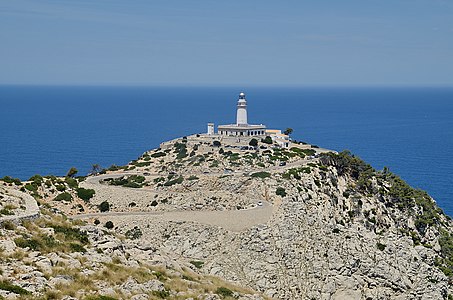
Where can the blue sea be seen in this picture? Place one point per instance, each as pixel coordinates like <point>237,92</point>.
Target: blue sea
<point>47,130</point>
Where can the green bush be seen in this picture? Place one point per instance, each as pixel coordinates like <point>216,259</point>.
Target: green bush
<point>380,246</point>
<point>33,244</point>
<point>99,297</point>
<point>85,194</point>
<point>71,233</point>
<point>133,181</point>
<point>31,187</point>
<point>9,179</point>
<point>197,263</point>
<point>72,172</point>
<point>178,180</point>
<point>36,179</point>
<point>134,233</point>
<point>280,191</point>
<point>161,294</point>
<point>77,248</point>
<point>158,154</point>
<point>7,286</point>
<point>104,206</point>
<point>71,182</point>
<point>6,212</point>
<point>253,142</point>
<point>224,292</point>
<point>261,175</point>
<point>267,140</point>
<point>63,197</point>
<point>109,225</point>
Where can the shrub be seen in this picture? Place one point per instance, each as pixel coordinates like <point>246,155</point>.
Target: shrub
<point>267,140</point>
<point>104,206</point>
<point>99,297</point>
<point>161,294</point>
<point>85,194</point>
<point>380,246</point>
<point>71,233</point>
<point>216,144</point>
<point>31,187</point>
<point>77,248</point>
<point>33,244</point>
<point>6,212</point>
<point>197,263</point>
<point>71,182</point>
<point>97,222</point>
<point>8,225</point>
<point>224,292</point>
<point>280,191</point>
<point>72,172</point>
<point>192,177</point>
<point>9,179</point>
<point>158,154</point>
<point>178,180</point>
<point>36,179</point>
<point>261,175</point>
<point>253,142</point>
<point>63,197</point>
<point>134,233</point>
<point>7,286</point>
<point>109,225</point>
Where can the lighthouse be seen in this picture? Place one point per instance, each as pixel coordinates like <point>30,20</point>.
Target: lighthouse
<point>241,116</point>
<point>242,127</point>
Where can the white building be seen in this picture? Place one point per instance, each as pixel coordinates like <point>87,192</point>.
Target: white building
<point>278,137</point>
<point>242,127</point>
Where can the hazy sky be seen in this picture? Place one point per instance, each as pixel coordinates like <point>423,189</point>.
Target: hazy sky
<point>364,42</point>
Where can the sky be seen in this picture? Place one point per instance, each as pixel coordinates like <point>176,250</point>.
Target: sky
<point>205,42</point>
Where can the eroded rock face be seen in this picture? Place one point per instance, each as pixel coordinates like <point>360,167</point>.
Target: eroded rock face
<point>320,243</point>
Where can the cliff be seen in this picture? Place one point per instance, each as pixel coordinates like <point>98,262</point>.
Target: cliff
<point>297,223</point>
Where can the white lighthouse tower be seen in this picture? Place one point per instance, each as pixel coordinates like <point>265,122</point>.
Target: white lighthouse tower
<point>242,127</point>
<point>241,117</point>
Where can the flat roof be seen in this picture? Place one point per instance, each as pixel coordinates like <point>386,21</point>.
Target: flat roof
<point>242,127</point>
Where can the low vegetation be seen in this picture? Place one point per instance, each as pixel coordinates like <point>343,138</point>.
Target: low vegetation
<point>261,175</point>
<point>132,181</point>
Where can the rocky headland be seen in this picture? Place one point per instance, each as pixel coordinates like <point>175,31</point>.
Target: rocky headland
<point>205,217</point>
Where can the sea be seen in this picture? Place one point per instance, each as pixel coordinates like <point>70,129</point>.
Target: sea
<point>49,129</point>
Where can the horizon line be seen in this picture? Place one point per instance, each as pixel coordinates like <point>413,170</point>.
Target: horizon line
<point>180,85</point>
